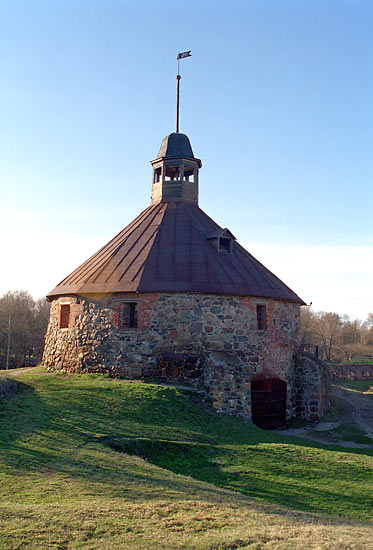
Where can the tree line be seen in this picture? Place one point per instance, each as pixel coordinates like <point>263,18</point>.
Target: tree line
<point>23,323</point>
<point>335,337</point>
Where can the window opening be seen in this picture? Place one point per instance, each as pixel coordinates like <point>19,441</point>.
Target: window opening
<point>189,173</point>
<point>157,175</point>
<point>225,244</point>
<point>172,173</point>
<point>64,315</point>
<point>128,315</point>
<point>261,317</point>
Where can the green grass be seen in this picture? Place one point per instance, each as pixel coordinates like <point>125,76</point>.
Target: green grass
<point>363,386</point>
<point>91,462</point>
<point>8,386</point>
<point>361,360</point>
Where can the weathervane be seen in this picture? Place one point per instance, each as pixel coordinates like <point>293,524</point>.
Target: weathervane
<point>181,55</point>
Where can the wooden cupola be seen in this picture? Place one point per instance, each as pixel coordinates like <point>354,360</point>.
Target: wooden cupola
<point>175,171</point>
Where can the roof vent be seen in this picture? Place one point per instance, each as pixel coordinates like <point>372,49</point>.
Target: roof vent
<point>225,244</point>
<point>223,241</point>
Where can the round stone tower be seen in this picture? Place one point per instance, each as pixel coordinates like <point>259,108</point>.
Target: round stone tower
<point>174,296</point>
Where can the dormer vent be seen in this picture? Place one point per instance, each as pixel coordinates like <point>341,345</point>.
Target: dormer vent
<point>223,241</point>
<point>225,244</point>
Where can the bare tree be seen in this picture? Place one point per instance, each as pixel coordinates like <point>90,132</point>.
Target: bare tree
<point>23,323</point>
<point>338,338</point>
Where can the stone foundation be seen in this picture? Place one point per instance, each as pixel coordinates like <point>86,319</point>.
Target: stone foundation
<point>206,340</point>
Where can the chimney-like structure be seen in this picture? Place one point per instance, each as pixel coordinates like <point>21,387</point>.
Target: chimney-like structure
<point>175,171</point>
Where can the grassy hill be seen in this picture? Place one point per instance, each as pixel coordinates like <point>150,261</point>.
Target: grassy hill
<point>90,462</point>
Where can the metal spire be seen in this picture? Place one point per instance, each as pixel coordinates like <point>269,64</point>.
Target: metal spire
<point>181,55</point>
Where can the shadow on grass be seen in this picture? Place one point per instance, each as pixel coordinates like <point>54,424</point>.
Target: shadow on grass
<point>22,413</point>
<point>136,480</point>
<point>73,431</point>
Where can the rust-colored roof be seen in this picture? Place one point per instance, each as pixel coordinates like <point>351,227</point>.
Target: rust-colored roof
<point>168,248</point>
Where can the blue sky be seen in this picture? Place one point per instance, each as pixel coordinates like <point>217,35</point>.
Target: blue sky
<point>277,102</point>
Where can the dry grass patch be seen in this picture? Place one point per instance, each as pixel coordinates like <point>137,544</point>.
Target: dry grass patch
<point>228,523</point>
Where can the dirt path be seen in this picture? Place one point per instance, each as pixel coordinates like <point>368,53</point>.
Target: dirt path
<point>358,414</point>
<point>363,407</point>
<point>15,372</point>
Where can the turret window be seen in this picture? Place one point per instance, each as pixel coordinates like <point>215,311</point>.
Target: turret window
<point>172,173</point>
<point>157,175</point>
<point>190,173</point>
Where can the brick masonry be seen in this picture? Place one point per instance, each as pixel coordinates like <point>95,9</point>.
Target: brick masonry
<point>209,341</point>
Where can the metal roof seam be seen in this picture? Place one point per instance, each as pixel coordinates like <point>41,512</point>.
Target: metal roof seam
<point>110,247</point>
<point>165,249</point>
<point>82,272</point>
<point>132,246</point>
<point>137,255</point>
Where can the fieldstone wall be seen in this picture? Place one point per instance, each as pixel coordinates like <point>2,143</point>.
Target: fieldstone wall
<point>207,340</point>
<point>351,372</point>
<point>227,379</point>
<point>312,387</point>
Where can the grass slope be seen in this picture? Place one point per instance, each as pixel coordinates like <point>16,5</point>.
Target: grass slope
<point>63,486</point>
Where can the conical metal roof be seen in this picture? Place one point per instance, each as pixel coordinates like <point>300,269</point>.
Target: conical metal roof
<point>171,247</point>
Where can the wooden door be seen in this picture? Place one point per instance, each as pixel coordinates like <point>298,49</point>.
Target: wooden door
<point>268,402</point>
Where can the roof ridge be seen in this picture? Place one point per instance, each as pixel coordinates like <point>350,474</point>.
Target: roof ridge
<point>81,271</point>
<point>134,243</point>
<point>138,254</point>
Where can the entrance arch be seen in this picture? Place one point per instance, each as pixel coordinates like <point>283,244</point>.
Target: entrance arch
<point>268,402</point>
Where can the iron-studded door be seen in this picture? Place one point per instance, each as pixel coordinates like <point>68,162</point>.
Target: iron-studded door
<point>268,402</point>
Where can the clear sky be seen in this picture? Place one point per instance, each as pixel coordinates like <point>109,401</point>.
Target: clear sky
<point>276,100</point>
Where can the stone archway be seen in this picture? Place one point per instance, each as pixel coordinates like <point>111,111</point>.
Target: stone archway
<point>268,402</point>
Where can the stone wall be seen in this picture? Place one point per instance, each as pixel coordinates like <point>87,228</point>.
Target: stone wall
<point>351,372</point>
<point>227,379</point>
<point>207,340</point>
<point>312,387</point>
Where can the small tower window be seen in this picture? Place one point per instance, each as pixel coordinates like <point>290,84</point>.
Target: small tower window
<point>157,175</point>
<point>172,173</point>
<point>190,173</point>
<point>261,317</point>
<point>225,244</point>
<point>128,315</point>
<point>64,315</point>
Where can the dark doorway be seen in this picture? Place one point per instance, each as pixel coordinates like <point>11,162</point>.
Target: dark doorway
<point>268,402</point>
